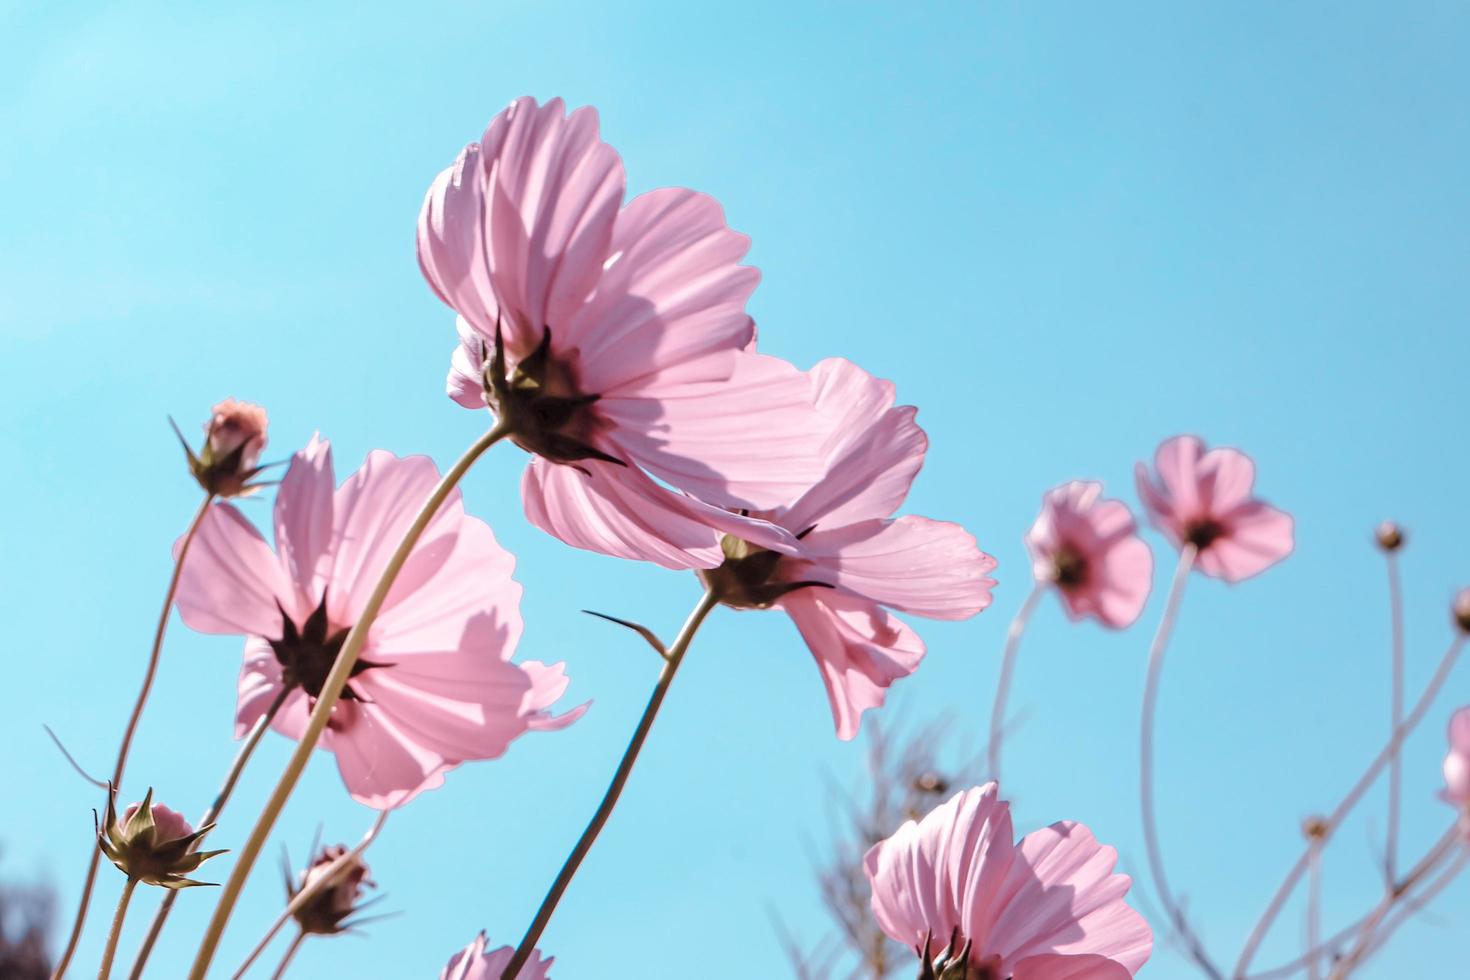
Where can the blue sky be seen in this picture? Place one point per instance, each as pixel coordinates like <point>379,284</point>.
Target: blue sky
<point>1064,234</point>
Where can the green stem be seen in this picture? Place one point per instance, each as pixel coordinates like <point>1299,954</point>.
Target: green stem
<point>331,691</point>
<point>117,924</point>
<point>615,789</point>
<point>131,730</point>
<point>210,816</point>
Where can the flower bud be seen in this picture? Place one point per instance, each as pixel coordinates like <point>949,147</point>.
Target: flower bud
<point>1461,610</point>
<point>233,440</point>
<point>1315,828</point>
<point>152,844</point>
<point>326,912</point>
<point>1390,536</point>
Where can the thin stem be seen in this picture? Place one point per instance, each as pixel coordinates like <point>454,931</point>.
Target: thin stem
<point>116,931</point>
<point>1314,907</point>
<point>327,700</point>
<point>1366,933</point>
<point>290,955</point>
<point>1007,668</point>
<point>1146,764</point>
<point>1283,892</point>
<point>132,728</point>
<point>1412,906</point>
<point>584,844</point>
<point>1395,763</point>
<point>311,889</point>
<point>210,816</point>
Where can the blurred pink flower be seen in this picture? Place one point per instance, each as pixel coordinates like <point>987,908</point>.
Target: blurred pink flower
<point>1457,762</point>
<point>1090,549</point>
<point>1048,907</point>
<point>627,353</point>
<point>473,963</point>
<point>853,558</point>
<point>434,686</point>
<point>1204,499</point>
<point>237,426</point>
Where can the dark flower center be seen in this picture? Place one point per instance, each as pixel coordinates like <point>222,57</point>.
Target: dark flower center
<point>306,653</point>
<point>1069,568</point>
<point>1203,532</point>
<point>746,579</point>
<point>541,402</point>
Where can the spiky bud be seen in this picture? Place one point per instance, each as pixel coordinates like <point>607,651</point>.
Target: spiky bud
<point>327,911</point>
<point>152,844</point>
<point>233,440</point>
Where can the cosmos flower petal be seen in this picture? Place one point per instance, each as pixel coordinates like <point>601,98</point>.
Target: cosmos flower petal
<point>929,568</point>
<point>1053,966</point>
<point>1063,897</point>
<point>860,648</point>
<point>451,241</point>
<point>872,450</point>
<point>620,511</point>
<point>670,308</point>
<point>1259,536</point>
<point>231,580</point>
<point>475,963</point>
<point>1109,569</point>
<point>303,519</point>
<point>748,442</point>
<point>466,381</point>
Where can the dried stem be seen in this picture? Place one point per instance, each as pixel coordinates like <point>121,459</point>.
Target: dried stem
<point>1395,762</point>
<point>132,728</point>
<point>290,955</point>
<point>1396,739</point>
<point>117,923</point>
<point>327,700</point>
<point>1314,906</point>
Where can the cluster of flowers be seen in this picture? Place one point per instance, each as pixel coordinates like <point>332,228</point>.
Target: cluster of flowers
<point>610,341</point>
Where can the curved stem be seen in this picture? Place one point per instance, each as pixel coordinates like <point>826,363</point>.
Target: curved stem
<point>1367,933</point>
<point>1283,892</point>
<point>116,931</point>
<point>331,691</point>
<point>1413,905</point>
<point>1146,763</point>
<point>311,889</point>
<point>210,816</point>
<point>290,955</point>
<point>132,729</point>
<point>615,789</point>
<point>1007,668</point>
<point>1396,713</point>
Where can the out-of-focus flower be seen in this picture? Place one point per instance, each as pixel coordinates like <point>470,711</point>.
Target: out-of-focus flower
<point>1204,499</point>
<point>473,963</point>
<point>1457,762</point>
<point>1460,610</point>
<point>434,686</point>
<point>327,912</point>
<point>975,903</point>
<point>614,340</point>
<point>233,440</point>
<point>1389,535</point>
<point>853,558</point>
<point>1090,549</point>
<point>152,844</point>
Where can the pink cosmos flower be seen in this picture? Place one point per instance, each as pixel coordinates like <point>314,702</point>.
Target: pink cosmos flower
<point>853,558</point>
<point>1048,907</point>
<point>473,963</point>
<point>1204,499</point>
<point>1089,548</point>
<point>1457,762</point>
<point>614,339</point>
<point>434,686</point>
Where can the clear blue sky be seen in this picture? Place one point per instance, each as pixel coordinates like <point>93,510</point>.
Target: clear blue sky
<point>1065,234</point>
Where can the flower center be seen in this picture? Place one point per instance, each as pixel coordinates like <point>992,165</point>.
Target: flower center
<point>540,400</point>
<point>747,578</point>
<point>1069,568</point>
<point>306,653</point>
<point>1203,532</point>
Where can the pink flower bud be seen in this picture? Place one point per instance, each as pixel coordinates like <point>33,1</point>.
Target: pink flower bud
<point>325,913</point>
<point>168,825</point>
<point>233,440</point>
<point>1457,761</point>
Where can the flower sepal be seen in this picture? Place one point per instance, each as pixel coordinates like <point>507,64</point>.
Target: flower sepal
<point>228,461</point>
<point>153,844</point>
